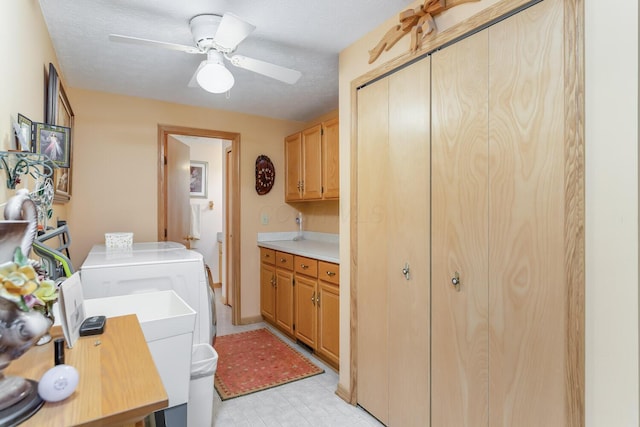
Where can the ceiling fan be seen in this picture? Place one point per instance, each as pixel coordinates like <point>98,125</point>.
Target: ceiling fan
<point>218,37</point>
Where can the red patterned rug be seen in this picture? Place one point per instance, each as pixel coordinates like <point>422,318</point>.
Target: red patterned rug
<point>257,360</point>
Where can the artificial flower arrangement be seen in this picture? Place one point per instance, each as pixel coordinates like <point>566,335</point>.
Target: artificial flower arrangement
<point>21,284</point>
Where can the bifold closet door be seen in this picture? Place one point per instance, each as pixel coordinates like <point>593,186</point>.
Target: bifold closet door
<point>409,246</point>
<point>459,339</point>
<point>393,259</point>
<point>527,281</point>
<point>372,248</point>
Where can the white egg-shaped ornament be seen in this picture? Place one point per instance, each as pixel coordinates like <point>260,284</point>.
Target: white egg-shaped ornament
<point>58,383</point>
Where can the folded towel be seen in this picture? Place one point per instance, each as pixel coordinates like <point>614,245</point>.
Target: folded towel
<point>195,221</point>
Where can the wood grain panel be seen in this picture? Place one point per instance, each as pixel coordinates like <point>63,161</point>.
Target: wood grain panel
<point>526,266</point>
<point>284,300</point>
<point>306,266</point>
<point>293,167</point>
<point>306,312</point>
<point>459,233</point>
<point>267,292</point>
<point>372,198</point>
<point>331,159</point>
<point>312,163</point>
<point>408,241</point>
<point>100,398</point>
<point>328,345</point>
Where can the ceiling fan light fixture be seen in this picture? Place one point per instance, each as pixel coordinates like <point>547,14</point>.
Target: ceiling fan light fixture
<point>213,76</point>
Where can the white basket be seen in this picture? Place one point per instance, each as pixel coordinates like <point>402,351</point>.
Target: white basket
<point>118,240</point>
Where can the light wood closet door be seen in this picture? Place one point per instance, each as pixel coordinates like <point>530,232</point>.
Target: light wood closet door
<point>459,234</point>
<point>408,221</point>
<point>393,235</point>
<point>372,248</point>
<point>526,265</point>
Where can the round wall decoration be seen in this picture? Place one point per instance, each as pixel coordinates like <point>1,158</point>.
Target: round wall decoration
<point>265,174</point>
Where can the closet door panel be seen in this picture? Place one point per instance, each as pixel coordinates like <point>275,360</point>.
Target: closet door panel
<point>372,249</point>
<point>526,267</point>
<point>409,219</point>
<point>459,206</point>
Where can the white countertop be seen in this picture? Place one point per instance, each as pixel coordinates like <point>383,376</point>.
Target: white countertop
<point>322,246</point>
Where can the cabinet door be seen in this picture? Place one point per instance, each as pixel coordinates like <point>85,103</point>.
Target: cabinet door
<point>312,163</point>
<point>330,160</point>
<point>305,308</point>
<point>268,292</point>
<point>459,339</point>
<point>293,167</point>
<point>284,300</point>
<point>329,322</point>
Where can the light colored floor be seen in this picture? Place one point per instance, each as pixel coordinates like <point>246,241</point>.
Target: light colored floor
<point>308,402</point>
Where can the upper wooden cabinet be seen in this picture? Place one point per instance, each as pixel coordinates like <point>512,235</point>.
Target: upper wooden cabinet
<point>312,163</point>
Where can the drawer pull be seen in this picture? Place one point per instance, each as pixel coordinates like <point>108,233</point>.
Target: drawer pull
<point>267,256</point>
<point>283,260</point>
<point>304,266</point>
<point>331,273</point>
<point>313,298</point>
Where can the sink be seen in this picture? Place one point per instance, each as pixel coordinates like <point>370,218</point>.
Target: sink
<point>167,323</point>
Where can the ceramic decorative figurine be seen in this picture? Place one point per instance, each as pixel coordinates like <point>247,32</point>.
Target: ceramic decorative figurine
<point>21,207</point>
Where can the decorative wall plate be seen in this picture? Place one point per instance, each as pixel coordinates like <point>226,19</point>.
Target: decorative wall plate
<point>265,174</point>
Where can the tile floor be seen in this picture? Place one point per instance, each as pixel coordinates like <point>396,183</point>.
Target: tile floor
<point>308,402</point>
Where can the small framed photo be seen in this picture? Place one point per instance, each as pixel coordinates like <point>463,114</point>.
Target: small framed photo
<point>25,138</point>
<point>198,179</point>
<point>55,143</point>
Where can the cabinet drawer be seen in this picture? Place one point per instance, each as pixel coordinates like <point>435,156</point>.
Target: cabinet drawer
<point>267,256</point>
<point>306,266</point>
<point>284,260</point>
<point>329,272</point>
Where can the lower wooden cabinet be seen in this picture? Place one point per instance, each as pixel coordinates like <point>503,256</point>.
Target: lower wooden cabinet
<point>301,297</point>
<point>276,289</point>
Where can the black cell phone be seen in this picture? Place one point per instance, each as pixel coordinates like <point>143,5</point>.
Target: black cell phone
<point>93,325</point>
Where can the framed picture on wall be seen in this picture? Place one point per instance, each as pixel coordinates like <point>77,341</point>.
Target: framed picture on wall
<point>60,114</point>
<point>198,179</point>
<point>55,143</point>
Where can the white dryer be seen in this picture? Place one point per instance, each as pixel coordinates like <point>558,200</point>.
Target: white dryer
<point>151,267</point>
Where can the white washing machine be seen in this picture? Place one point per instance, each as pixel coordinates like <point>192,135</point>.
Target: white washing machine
<point>151,267</point>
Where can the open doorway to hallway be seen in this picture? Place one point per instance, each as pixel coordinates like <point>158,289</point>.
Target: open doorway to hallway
<point>214,153</point>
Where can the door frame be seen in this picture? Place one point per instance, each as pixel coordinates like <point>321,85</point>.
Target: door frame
<point>163,132</point>
<point>574,220</point>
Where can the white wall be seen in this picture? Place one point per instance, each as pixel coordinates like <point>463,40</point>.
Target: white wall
<point>211,220</point>
<point>611,40</point>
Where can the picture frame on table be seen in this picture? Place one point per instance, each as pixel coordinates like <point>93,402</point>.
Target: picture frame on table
<point>54,142</point>
<point>198,176</point>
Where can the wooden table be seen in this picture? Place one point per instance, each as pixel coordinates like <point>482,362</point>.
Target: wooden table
<point>118,384</point>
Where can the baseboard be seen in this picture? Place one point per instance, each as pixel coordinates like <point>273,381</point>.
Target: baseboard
<point>250,320</point>
<point>343,394</point>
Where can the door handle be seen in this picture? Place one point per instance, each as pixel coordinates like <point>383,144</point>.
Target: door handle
<point>455,281</point>
<point>313,298</point>
<point>406,271</point>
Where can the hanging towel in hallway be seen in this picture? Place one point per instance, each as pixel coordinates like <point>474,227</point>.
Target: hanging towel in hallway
<point>195,220</point>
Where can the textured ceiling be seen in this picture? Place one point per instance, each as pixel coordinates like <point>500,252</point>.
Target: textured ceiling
<point>300,34</point>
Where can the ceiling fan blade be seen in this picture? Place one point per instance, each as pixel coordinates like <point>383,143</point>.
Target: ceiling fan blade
<point>232,31</point>
<point>146,42</point>
<point>268,69</point>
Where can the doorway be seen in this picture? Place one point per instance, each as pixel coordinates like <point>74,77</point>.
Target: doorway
<point>232,201</point>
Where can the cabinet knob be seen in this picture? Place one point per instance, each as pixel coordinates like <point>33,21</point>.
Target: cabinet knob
<point>304,266</point>
<point>283,260</point>
<point>331,273</point>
